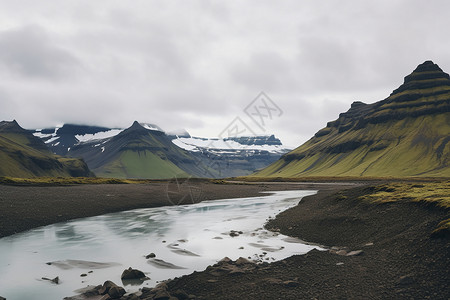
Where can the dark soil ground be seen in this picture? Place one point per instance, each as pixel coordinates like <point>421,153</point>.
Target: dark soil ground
<point>399,260</point>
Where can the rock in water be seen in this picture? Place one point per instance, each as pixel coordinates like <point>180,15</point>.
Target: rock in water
<point>54,280</point>
<point>132,274</point>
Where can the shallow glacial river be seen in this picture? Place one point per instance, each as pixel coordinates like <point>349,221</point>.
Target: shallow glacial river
<point>184,239</point>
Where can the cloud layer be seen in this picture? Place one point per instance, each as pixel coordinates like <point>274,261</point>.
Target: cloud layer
<point>198,64</point>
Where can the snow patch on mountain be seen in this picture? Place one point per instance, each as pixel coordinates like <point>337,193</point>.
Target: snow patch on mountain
<point>197,144</point>
<point>98,136</point>
<point>47,137</point>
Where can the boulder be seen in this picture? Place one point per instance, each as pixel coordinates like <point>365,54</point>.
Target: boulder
<point>106,287</point>
<point>130,274</point>
<point>225,260</point>
<point>116,292</point>
<point>341,252</point>
<point>243,261</point>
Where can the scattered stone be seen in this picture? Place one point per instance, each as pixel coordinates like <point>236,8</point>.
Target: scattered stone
<point>151,255</point>
<point>91,272</point>
<point>241,248</point>
<point>339,264</point>
<point>83,275</point>
<point>106,287</point>
<point>234,233</point>
<point>243,261</point>
<point>341,252</point>
<point>116,292</point>
<point>132,274</point>
<point>355,253</point>
<point>225,260</point>
<point>54,280</point>
<point>217,238</point>
<point>368,244</point>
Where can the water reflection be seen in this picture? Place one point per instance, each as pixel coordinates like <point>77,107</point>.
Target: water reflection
<point>182,238</point>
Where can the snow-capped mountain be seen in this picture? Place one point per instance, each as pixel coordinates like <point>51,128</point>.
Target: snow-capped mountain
<point>250,144</point>
<point>203,157</point>
<point>61,139</point>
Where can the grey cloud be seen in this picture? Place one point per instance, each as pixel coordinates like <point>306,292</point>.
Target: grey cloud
<point>265,71</point>
<point>28,51</point>
<point>197,64</point>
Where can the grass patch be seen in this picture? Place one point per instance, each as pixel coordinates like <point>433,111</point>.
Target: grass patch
<point>61,181</point>
<point>432,193</point>
<point>51,181</point>
<point>437,193</point>
<point>442,230</point>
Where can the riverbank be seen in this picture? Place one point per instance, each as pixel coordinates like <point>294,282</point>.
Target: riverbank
<point>23,207</point>
<point>398,259</point>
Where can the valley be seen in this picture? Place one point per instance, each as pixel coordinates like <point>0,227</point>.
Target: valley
<point>380,216</point>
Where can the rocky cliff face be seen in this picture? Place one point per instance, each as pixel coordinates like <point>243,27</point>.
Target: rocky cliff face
<point>407,134</point>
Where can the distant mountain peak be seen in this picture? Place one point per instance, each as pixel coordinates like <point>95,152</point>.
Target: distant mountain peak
<point>428,66</point>
<point>426,75</point>
<point>144,126</point>
<point>136,125</point>
<point>11,126</point>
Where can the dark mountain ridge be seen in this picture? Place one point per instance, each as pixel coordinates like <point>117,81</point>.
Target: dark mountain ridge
<point>407,134</point>
<point>24,155</point>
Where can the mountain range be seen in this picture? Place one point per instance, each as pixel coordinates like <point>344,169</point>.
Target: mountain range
<point>406,134</point>
<point>146,151</point>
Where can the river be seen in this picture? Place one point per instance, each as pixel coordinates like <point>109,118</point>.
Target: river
<point>184,238</point>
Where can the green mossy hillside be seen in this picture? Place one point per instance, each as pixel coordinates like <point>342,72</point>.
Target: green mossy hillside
<point>407,134</point>
<point>23,155</point>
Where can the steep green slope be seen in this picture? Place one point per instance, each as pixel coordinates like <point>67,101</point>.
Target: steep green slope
<point>143,164</point>
<point>407,134</point>
<point>23,155</point>
<point>136,152</point>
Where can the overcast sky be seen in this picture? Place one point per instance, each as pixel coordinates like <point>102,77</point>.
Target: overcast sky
<point>198,64</point>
